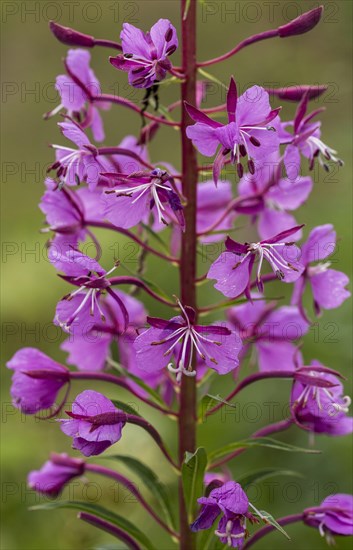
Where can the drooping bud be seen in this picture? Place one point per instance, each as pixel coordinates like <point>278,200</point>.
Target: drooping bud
<point>302,24</point>
<point>70,37</point>
<point>295,93</point>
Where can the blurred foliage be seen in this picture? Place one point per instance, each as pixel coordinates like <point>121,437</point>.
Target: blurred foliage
<point>30,63</point>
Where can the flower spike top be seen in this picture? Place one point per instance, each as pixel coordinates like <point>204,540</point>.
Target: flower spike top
<point>233,268</point>
<point>140,193</point>
<point>91,280</point>
<point>215,345</point>
<point>248,134</point>
<point>146,55</point>
<point>306,140</point>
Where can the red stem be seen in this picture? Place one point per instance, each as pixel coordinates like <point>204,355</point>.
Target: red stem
<point>251,40</point>
<point>127,280</point>
<point>130,105</point>
<point>109,528</point>
<point>265,530</point>
<point>187,410</point>
<point>105,377</point>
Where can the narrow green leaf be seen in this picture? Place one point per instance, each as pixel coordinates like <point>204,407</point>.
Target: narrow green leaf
<point>212,78</point>
<point>258,442</point>
<point>192,472</point>
<point>186,10</point>
<point>265,473</point>
<point>208,402</point>
<point>125,407</point>
<point>270,520</point>
<point>157,237</point>
<point>151,481</point>
<point>101,512</point>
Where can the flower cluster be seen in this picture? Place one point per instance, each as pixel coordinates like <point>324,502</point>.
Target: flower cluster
<point>161,361</point>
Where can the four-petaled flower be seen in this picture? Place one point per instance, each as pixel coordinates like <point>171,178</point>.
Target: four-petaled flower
<point>305,140</point>
<point>248,133</point>
<point>233,268</point>
<point>59,470</point>
<point>317,403</point>
<point>216,346</point>
<point>232,502</point>
<point>146,55</point>
<point>75,90</point>
<point>272,332</point>
<point>334,516</point>
<point>138,194</point>
<point>95,423</point>
<point>91,279</point>
<point>82,164</point>
<point>327,285</point>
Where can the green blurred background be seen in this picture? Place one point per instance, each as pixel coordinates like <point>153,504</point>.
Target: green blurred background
<point>31,58</point>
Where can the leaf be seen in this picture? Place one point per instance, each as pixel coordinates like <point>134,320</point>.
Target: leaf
<point>151,481</point>
<point>258,442</point>
<point>192,473</point>
<point>212,78</point>
<point>101,512</point>
<point>186,10</point>
<point>208,402</point>
<point>270,520</point>
<point>265,473</point>
<point>125,407</point>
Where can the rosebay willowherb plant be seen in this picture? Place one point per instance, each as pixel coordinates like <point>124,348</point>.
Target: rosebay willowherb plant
<point>170,363</point>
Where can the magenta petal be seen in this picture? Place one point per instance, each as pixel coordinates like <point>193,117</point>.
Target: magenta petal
<point>151,357</point>
<point>125,211</point>
<point>158,34</point>
<point>253,106</point>
<point>231,281</point>
<point>199,116</point>
<point>133,41</point>
<point>74,133</point>
<point>276,356</point>
<point>291,194</point>
<point>232,98</point>
<point>221,358</point>
<point>320,244</point>
<point>292,162</point>
<point>272,222</point>
<point>204,138</point>
<point>88,353</point>
<point>329,288</point>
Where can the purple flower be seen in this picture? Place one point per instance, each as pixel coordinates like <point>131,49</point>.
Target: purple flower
<point>334,516</point>
<point>75,98</point>
<point>74,166</point>
<point>145,55</point>
<point>36,381</point>
<point>272,332</point>
<point>232,502</point>
<point>90,340</point>
<point>128,165</point>
<point>59,470</point>
<point>327,285</point>
<point>268,197</point>
<point>216,346</point>
<point>317,403</point>
<point>92,281</point>
<point>139,194</point>
<point>305,140</point>
<point>95,423</point>
<point>247,134</point>
<point>233,268</point>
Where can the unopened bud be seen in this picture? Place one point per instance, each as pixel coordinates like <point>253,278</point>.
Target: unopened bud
<point>301,24</point>
<point>70,36</point>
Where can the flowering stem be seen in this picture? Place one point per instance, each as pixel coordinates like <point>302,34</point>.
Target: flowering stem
<point>263,432</point>
<point>109,528</point>
<point>133,237</point>
<point>268,528</point>
<point>133,490</point>
<point>250,380</point>
<point>123,152</point>
<point>251,40</point>
<point>105,377</point>
<point>130,105</point>
<point>187,411</point>
<point>140,284</point>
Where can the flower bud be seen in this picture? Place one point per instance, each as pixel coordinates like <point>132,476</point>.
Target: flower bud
<point>301,24</point>
<point>70,36</point>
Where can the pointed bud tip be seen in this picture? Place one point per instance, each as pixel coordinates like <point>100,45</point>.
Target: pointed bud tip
<point>302,24</point>
<point>70,37</point>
